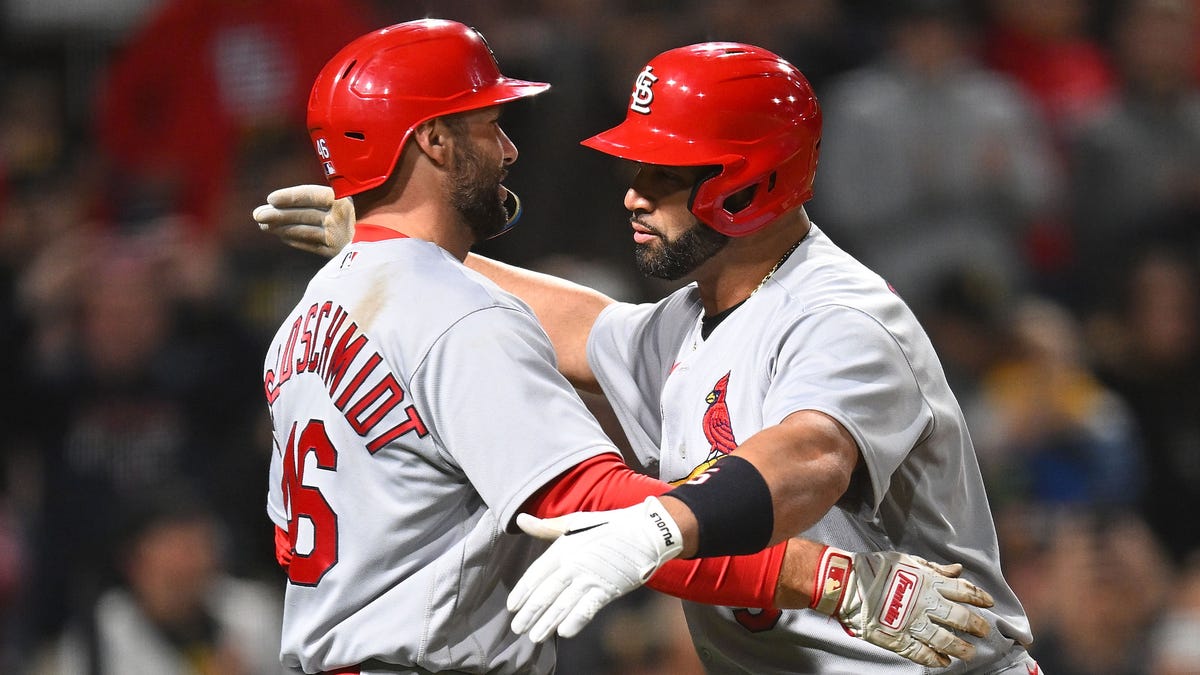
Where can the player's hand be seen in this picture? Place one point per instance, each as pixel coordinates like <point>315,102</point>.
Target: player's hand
<point>902,603</point>
<point>307,217</point>
<point>596,558</point>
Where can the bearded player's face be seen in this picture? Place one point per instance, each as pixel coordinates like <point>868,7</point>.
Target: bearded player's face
<point>482,153</point>
<point>669,241</point>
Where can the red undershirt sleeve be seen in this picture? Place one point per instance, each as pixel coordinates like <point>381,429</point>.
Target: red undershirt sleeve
<point>605,482</point>
<point>283,548</point>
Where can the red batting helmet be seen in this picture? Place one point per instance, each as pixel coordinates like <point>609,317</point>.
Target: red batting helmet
<point>734,105</point>
<point>377,89</point>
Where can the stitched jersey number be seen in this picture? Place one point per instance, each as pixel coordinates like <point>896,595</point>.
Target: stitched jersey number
<point>307,502</point>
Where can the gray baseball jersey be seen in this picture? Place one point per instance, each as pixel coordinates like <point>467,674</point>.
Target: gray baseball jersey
<point>827,334</point>
<point>415,407</point>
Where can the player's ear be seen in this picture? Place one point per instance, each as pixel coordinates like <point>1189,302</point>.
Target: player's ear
<point>434,138</point>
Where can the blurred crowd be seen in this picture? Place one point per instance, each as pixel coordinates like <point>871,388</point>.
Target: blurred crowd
<point>1026,173</point>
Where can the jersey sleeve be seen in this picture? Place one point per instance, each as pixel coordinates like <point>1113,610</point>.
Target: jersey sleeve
<point>275,509</point>
<point>839,361</point>
<point>631,351</point>
<point>501,411</point>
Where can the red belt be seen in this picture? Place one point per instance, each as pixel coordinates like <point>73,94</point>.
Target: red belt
<point>353,670</point>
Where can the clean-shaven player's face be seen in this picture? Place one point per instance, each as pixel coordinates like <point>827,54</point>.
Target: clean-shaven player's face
<point>482,154</point>
<point>669,241</point>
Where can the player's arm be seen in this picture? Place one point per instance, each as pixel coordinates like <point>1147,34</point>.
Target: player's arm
<point>600,555</point>
<point>308,217</point>
<point>605,482</point>
<point>805,464</point>
<point>728,511</point>
<point>566,310</point>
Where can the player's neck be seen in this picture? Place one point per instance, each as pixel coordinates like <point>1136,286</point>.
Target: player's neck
<point>424,223</point>
<point>746,264</point>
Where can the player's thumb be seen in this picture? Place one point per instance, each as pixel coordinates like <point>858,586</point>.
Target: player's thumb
<point>542,528</point>
<point>571,523</point>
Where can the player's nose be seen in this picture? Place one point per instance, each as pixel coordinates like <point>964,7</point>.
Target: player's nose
<point>508,149</point>
<point>636,201</point>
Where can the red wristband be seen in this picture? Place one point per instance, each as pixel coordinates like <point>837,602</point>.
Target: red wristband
<point>829,584</point>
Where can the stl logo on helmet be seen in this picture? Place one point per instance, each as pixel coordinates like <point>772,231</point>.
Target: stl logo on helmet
<point>323,153</point>
<point>642,94</point>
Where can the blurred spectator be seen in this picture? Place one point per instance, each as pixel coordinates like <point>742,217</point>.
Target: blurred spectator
<point>200,79</point>
<point>1148,346</point>
<point>643,633</point>
<point>1046,429</point>
<point>174,611</point>
<point>929,162</point>
<point>32,128</point>
<point>13,564</point>
<point>649,637</point>
<point>1136,165</point>
<point>1093,587</point>
<point>130,397</point>
<point>1173,648</point>
<point>44,193</point>
<point>824,38</point>
<point>1046,46</point>
<point>967,321</point>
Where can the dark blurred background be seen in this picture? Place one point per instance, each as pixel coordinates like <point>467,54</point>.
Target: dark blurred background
<point>1025,172</point>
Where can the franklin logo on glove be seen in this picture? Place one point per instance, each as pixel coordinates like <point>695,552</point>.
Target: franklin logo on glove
<point>900,594</point>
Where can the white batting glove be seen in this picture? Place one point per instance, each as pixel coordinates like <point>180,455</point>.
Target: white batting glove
<point>597,557</point>
<point>902,603</point>
<point>307,217</point>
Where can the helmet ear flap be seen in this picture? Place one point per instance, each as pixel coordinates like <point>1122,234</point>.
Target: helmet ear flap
<point>741,209</point>
<point>742,199</point>
<point>701,211</point>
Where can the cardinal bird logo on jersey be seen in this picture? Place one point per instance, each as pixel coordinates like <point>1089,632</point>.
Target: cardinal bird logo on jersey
<point>718,430</point>
<point>717,427</point>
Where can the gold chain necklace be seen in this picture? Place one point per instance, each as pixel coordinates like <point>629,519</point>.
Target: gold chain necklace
<point>787,254</point>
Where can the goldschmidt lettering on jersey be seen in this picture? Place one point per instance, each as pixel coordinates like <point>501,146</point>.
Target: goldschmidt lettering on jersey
<point>364,407</point>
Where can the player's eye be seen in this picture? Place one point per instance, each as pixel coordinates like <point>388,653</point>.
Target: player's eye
<point>672,179</point>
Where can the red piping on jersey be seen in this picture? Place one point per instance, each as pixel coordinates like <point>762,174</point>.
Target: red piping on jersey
<point>369,232</point>
<point>604,482</point>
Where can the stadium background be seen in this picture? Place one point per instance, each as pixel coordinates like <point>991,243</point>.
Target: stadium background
<point>138,296</point>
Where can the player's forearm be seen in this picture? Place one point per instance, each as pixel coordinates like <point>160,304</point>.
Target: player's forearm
<point>732,581</point>
<point>604,482</point>
<point>781,481</point>
<point>807,462</point>
<point>778,577</point>
<point>565,309</point>
<point>794,587</point>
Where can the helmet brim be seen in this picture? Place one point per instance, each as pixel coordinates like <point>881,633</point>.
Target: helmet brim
<point>649,145</point>
<point>510,90</point>
<point>504,91</point>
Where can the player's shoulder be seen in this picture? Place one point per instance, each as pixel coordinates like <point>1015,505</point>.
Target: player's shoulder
<point>407,287</point>
<point>423,274</point>
<point>821,273</point>
<point>826,286</point>
<point>678,308</point>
